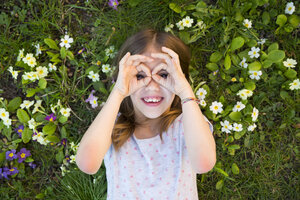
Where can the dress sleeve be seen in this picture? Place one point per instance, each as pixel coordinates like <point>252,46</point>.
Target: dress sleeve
<point>210,124</point>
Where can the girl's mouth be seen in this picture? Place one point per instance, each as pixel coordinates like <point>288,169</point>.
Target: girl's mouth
<point>155,101</point>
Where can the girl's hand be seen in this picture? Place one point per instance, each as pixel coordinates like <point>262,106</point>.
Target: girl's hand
<point>129,67</point>
<point>175,81</point>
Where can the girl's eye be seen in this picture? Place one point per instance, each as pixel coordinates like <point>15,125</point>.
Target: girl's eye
<point>139,76</point>
<point>164,75</point>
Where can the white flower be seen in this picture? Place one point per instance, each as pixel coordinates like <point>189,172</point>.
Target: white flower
<point>26,104</point>
<point>29,60</point>
<point>4,114</point>
<point>244,94</point>
<point>290,63</point>
<point>74,147</point>
<point>261,41</point>
<point>52,67</point>
<point>110,51</point>
<point>254,52</point>
<point>237,127</point>
<point>65,112</point>
<point>290,8</point>
<point>255,74</point>
<point>254,114</point>
<point>42,71</point>
<point>72,159</point>
<point>7,122</point>
<point>187,21</point>
<point>295,85</point>
<point>180,25</point>
<point>38,50</point>
<point>238,107</point>
<point>13,73</point>
<point>201,24</point>
<point>93,76</point>
<point>40,138</point>
<point>37,105</point>
<point>251,127</point>
<point>201,93</point>
<point>27,76</point>
<point>21,55</point>
<point>106,68</point>
<point>247,23</point>
<point>226,126</point>
<point>216,107</point>
<point>63,170</point>
<point>243,63</point>
<point>202,103</point>
<point>32,124</point>
<point>66,41</point>
<point>169,27</point>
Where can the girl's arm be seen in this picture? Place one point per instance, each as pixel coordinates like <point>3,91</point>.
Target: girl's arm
<point>97,139</point>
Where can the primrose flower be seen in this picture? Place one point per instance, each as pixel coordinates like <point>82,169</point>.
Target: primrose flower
<point>233,79</point>
<point>74,147</point>
<point>21,55</point>
<point>254,114</point>
<point>201,24</point>
<point>202,103</point>
<point>169,27</point>
<point>113,4</point>
<point>63,170</point>
<point>28,76</point>
<point>11,155</point>
<point>32,62</point>
<point>237,127</point>
<point>39,137</point>
<point>38,49</point>
<point>216,107</point>
<point>244,94</point>
<point>261,41</point>
<point>201,93</point>
<point>290,8</point>
<point>72,157</point>
<point>42,71</point>
<point>81,51</point>
<point>23,154</point>
<point>92,100</point>
<point>238,107</point>
<point>247,23</point>
<point>63,142</point>
<point>4,114</point>
<point>290,63</point>
<point>37,105</point>
<point>28,57</point>
<point>52,67</point>
<point>180,25</point>
<point>3,173</point>
<point>13,171</point>
<point>94,76</point>
<point>226,126</point>
<point>32,165</point>
<point>26,104</point>
<point>295,85</point>
<point>13,73</point>
<point>187,21</point>
<point>251,127</point>
<point>254,52</point>
<point>50,117</point>
<point>98,63</point>
<point>243,63</point>
<point>7,122</point>
<point>106,68</point>
<point>65,112</point>
<point>20,130</point>
<point>255,74</point>
<point>32,124</point>
<point>66,41</point>
<point>110,52</point>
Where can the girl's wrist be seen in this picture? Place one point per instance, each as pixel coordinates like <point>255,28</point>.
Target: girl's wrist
<point>188,93</point>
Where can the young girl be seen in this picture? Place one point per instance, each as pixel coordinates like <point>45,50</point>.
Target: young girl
<point>151,133</point>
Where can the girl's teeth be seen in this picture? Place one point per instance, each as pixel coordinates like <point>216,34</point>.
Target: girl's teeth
<point>152,100</point>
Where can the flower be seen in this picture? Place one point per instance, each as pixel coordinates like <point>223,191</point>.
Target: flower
<point>42,72</point>
<point>3,173</point>
<point>237,127</point>
<point>11,155</point>
<point>52,67</point>
<point>113,4</point>
<point>261,41</point>
<point>92,99</point>
<point>65,112</point>
<point>21,54</point>
<point>26,104</point>
<point>255,74</point>
<point>290,8</point>
<point>201,93</point>
<point>74,147</point>
<point>244,94</point>
<point>32,124</point>
<point>187,21</point>
<point>27,58</point>
<point>254,114</point>
<point>30,76</point>
<point>67,158</point>
<point>247,23</point>
<point>72,157</point>
<point>63,142</point>
<point>110,52</point>
<point>238,107</point>
<point>7,122</point>
<point>251,127</point>
<point>3,114</point>
<point>32,165</point>
<point>254,52</point>
<point>169,27</point>
<point>20,130</point>
<point>94,76</point>
<point>233,79</point>
<point>216,107</point>
<point>180,25</point>
<point>243,63</point>
<point>81,51</point>
<point>63,170</point>
<point>39,137</point>
<point>98,63</point>
<point>50,117</point>
<point>290,63</point>
<point>13,171</point>
<point>202,103</point>
<point>226,126</point>
<point>201,24</point>
<point>37,105</point>
<point>295,85</point>
<point>38,49</point>
<point>13,73</point>
<point>66,41</point>
<point>23,154</point>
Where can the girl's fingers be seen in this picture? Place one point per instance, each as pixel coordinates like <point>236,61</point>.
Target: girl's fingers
<point>160,67</point>
<point>124,59</point>
<point>137,59</point>
<point>163,56</point>
<point>172,53</point>
<point>144,68</point>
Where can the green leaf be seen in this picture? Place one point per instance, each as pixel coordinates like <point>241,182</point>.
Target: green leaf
<point>52,138</point>
<point>234,146</point>
<point>2,156</point>
<point>42,83</point>
<point>134,3</point>
<point>22,116</point>
<point>219,184</point>
<point>29,159</point>
<point>276,56</point>
<point>63,119</point>
<point>14,104</point>
<point>70,55</point>
<point>59,156</point>
<point>281,20</point>
<point>212,66</point>
<point>235,59</point>
<point>215,57</point>
<point>227,62</point>
<point>235,116</point>
<point>255,66</point>
<point>294,20</point>
<point>267,64</point>
<point>250,85</point>
<point>40,196</point>
<point>63,132</point>
<point>49,129</point>
<point>176,8</point>
<point>237,43</point>
<point>30,92</point>
<point>273,46</point>
<point>290,74</point>
<point>266,18</point>
<point>185,36</point>
<point>221,171</point>
<point>235,169</point>
<point>26,135</point>
<point>63,53</point>
<point>51,43</point>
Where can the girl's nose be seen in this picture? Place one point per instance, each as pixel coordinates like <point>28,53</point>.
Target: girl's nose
<point>152,85</point>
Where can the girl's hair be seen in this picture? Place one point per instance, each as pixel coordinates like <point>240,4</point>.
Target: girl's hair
<point>138,44</point>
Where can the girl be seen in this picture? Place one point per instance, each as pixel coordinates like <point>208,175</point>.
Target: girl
<point>151,98</point>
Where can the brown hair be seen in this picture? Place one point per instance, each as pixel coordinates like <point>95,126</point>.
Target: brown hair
<point>137,44</point>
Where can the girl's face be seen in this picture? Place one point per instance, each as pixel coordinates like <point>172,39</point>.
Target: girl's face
<point>153,100</point>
